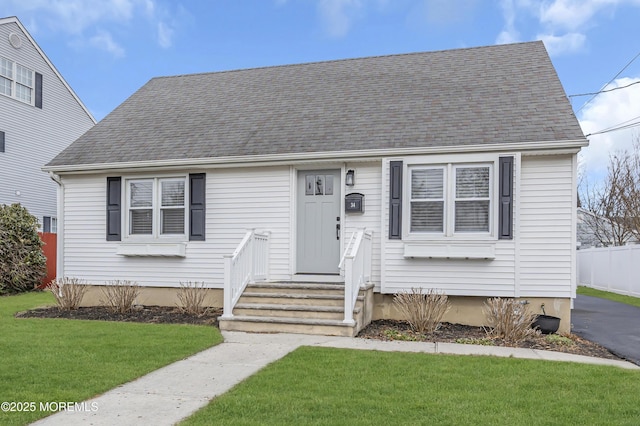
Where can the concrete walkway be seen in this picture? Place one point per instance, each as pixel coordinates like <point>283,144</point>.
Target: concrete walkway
<point>176,391</point>
<point>614,325</point>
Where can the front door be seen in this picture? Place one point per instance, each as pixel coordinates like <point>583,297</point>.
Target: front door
<point>318,229</point>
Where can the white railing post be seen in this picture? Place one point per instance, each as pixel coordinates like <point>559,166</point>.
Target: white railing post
<point>227,310</point>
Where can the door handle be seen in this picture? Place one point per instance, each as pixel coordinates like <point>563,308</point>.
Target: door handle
<point>337,231</point>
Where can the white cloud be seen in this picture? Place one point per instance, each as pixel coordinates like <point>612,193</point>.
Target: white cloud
<point>79,17</point>
<point>567,43</point>
<point>104,41</point>
<point>609,110</point>
<point>165,34</point>
<point>337,15</point>
<point>509,34</point>
<point>572,14</point>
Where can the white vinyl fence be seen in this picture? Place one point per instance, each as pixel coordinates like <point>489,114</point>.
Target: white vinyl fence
<point>615,269</point>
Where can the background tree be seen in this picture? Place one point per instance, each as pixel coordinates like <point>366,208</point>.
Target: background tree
<point>612,208</point>
<point>22,263</point>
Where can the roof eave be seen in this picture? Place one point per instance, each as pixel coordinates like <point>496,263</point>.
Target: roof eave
<point>234,161</point>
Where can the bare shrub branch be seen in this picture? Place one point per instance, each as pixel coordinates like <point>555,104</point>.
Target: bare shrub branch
<point>613,206</point>
<point>423,311</point>
<point>68,292</point>
<point>119,296</point>
<point>191,296</point>
<point>508,319</point>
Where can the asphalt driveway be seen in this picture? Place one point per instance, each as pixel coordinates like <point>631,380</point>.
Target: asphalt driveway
<point>614,325</point>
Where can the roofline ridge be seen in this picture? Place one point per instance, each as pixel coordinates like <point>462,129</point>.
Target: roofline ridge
<point>329,61</point>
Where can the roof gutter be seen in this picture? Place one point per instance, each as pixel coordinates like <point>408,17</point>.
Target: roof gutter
<point>275,159</point>
<point>60,231</point>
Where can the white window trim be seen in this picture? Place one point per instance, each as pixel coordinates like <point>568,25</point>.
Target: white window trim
<point>449,162</point>
<point>14,82</point>
<point>156,236</point>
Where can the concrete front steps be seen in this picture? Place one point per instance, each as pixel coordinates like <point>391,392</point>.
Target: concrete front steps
<point>294,307</point>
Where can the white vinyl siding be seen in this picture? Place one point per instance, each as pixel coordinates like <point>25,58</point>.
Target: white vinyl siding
<point>237,200</point>
<point>536,263</point>
<point>546,236</point>
<point>367,182</point>
<point>33,136</point>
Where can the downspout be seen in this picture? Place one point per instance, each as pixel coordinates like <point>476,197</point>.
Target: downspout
<point>60,231</point>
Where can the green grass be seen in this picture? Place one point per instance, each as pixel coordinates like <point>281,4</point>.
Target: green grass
<point>629,300</point>
<point>45,360</point>
<point>340,386</point>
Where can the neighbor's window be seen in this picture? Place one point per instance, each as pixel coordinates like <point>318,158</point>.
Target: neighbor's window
<point>450,199</point>
<point>156,207</point>
<point>16,81</point>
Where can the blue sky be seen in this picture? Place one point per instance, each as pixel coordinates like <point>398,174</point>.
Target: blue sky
<point>107,49</point>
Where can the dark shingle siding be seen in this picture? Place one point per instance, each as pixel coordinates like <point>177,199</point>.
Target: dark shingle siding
<point>497,94</point>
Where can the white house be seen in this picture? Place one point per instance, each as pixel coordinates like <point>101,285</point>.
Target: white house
<point>451,170</point>
<point>39,116</point>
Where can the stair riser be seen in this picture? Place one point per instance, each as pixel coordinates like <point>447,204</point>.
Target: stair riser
<point>288,313</point>
<point>291,300</point>
<point>256,288</point>
<point>262,327</point>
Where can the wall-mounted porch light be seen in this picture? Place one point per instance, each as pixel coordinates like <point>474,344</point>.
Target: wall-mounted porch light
<point>350,178</point>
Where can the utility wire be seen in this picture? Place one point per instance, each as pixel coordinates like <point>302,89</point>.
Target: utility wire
<point>604,91</point>
<point>613,129</point>
<point>614,77</point>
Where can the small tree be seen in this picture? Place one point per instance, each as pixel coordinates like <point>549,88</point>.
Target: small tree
<point>22,263</point>
<point>613,207</point>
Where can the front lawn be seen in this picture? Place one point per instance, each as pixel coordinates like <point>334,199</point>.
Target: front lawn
<point>629,300</point>
<point>49,360</point>
<point>338,386</point>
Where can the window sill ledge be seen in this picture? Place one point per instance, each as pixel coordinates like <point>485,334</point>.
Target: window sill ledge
<point>152,249</point>
<point>451,250</point>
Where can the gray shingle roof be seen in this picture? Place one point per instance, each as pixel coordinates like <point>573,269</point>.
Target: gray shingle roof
<point>486,95</point>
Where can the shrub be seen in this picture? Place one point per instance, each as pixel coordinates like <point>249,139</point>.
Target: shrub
<point>119,296</point>
<point>508,319</point>
<point>191,296</point>
<point>22,263</point>
<point>68,292</point>
<point>423,311</point>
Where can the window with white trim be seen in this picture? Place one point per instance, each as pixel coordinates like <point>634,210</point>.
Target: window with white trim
<point>17,81</point>
<point>450,199</point>
<point>156,207</point>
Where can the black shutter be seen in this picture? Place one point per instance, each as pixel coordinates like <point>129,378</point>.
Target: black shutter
<point>505,215</point>
<point>197,205</point>
<point>46,224</point>
<point>1,141</point>
<point>114,229</point>
<point>395,200</point>
<point>38,97</point>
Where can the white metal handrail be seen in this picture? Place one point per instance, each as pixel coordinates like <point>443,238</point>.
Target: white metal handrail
<point>357,269</point>
<point>248,263</point>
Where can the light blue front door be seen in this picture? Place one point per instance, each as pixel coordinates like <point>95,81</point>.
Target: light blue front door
<point>318,228</point>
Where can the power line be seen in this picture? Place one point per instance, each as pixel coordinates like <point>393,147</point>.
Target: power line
<point>614,77</point>
<point>604,91</point>
<point>617,127</point>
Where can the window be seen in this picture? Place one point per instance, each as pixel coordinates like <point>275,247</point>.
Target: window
<point>18,81</point>
<point>156,207</point>
<point>450,199</point>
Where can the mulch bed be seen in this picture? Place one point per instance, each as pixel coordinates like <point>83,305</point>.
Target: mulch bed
<point>380,329</point>
<point>453,333</point>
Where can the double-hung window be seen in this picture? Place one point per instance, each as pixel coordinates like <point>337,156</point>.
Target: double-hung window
<point>156,207</point>
<point>17,81</point>
<point>450,199</point>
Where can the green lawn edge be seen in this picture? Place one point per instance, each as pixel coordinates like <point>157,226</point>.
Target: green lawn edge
<point>621,298</point>
<point>50,360</point>
<point>316,385</point>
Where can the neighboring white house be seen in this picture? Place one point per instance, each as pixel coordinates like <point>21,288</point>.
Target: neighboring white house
<point>452,170</point>
<point>39,116</point>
